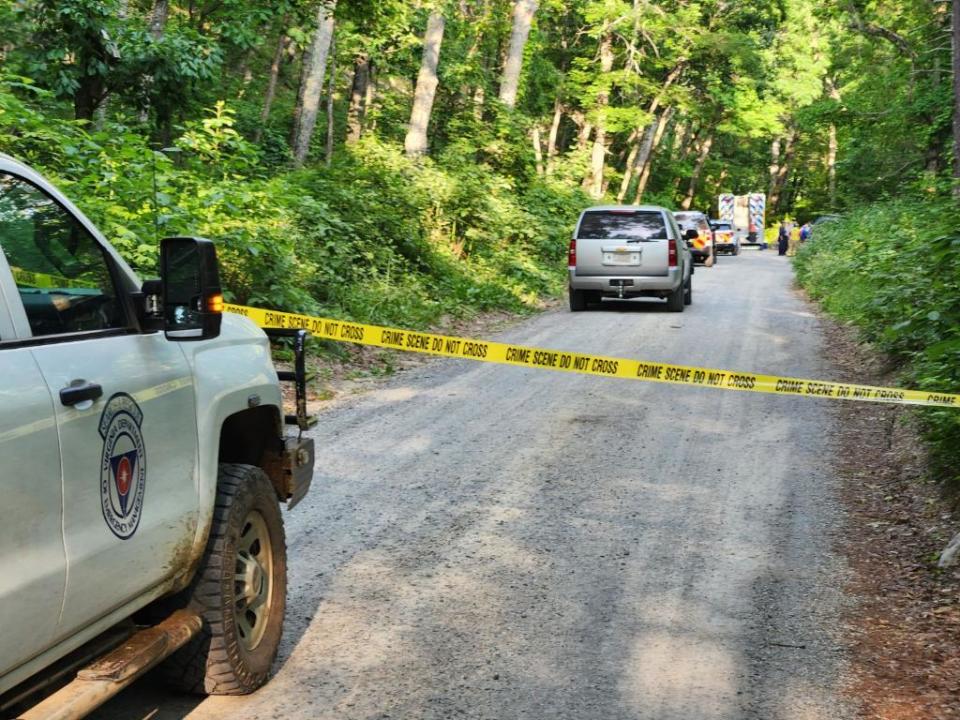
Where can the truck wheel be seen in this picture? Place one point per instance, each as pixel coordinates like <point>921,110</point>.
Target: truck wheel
<point>578,300</point>
<point>688,292</point>
<point>240,590</point>
<point>675,299</point>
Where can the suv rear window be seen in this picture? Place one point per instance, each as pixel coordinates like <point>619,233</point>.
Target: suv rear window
<point>691,219</point>
<point>642,225</point>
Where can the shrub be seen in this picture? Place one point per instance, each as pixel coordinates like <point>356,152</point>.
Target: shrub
<point>893,269</point>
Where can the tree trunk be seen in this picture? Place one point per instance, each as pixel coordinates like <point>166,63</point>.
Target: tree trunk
<point>358,98</point>
<point>594,179</point>
<point>537,149</point>
<point>554,133</point>
<point>783,172</point>
<point>633,160</point>
<point>523,11</point>
<point>584,129</point>
<point>720,181</point>
<point>648,161</point>
<point>311,84</point>
<point>479,99</point>
<point>371,90</point>
<point>832,148</point>
<point>416,143</point>
<point>796,183</point>
<point>630,166</point>
<point>697,170</point>
<point>682,146</point>
<point>271,91</point>
<point>774,166</point>
<point>100,114</point>
<point>331,88</point>
<point>156,24</point>
<point>640,136</point>
<point>832,165</point>
<point>955,36</point>
<point>87,97</point>
<point>158,18</point>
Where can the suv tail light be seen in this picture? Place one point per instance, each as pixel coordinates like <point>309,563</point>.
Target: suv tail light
<point>672,253</point>
<point>572,256</point>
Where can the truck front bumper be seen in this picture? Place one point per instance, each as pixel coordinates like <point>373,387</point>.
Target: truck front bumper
<point>298,460</point>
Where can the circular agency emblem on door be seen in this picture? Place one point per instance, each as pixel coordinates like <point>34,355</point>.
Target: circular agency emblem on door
<point>123,466</point>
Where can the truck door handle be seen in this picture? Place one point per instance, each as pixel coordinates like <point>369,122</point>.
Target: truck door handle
<point>78,391</point>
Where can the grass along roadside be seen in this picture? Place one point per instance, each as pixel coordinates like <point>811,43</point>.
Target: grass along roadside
<point>892,271</point>
<point>904,629</point>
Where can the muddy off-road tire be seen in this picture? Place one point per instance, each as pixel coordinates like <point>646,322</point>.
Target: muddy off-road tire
<point>240,590</point>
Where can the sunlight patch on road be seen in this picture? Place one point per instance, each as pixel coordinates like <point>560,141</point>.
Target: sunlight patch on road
<point>394,394</point>
<point>679,673</point>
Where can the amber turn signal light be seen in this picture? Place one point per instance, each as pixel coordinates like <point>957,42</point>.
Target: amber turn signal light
<point>215,303</point>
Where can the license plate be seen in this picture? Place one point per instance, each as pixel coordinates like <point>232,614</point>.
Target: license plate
<point>621,258</point>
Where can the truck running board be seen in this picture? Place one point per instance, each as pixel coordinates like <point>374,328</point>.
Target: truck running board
<point>108,675</point>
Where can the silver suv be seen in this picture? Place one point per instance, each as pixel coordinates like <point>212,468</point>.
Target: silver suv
<point>629,251</point>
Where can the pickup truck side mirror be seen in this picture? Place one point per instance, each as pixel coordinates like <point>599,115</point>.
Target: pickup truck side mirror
<point>190,289</point>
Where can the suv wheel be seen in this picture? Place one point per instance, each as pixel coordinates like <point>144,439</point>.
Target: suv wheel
<point>675,299</point>
<point>688,292</point>
<point>240,590</point>
<point>578,300</point>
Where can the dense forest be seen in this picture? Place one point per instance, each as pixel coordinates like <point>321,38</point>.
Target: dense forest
<point>398,160</point>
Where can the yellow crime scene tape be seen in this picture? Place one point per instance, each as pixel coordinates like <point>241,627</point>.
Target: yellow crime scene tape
<point>45,281</point>
<point>545,359</point>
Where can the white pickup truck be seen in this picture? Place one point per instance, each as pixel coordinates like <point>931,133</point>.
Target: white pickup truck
<point>143,460</point>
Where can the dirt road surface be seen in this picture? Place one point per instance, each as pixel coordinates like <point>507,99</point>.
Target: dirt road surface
<point>485,541</point>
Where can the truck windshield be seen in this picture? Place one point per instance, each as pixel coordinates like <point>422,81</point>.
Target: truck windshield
<point>643,225</point>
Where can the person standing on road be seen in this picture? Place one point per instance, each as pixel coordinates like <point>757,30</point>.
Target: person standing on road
<point>794,240</point>
<point>783,238</point>
<point>805,232</point>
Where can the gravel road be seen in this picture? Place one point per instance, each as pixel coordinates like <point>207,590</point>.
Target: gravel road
<point>485,541</point>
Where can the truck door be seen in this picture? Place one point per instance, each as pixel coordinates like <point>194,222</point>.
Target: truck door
<point>32,564</point>
<point>125,413</point>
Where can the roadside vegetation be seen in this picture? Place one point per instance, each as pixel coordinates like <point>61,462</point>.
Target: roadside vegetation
<point>893,270</point>
<point>401,161</point>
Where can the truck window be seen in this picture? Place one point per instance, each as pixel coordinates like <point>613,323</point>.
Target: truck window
<point>642,225</point>
<point>61,271</point>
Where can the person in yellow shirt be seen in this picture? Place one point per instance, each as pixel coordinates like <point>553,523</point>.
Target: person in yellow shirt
<point>794,240</point>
